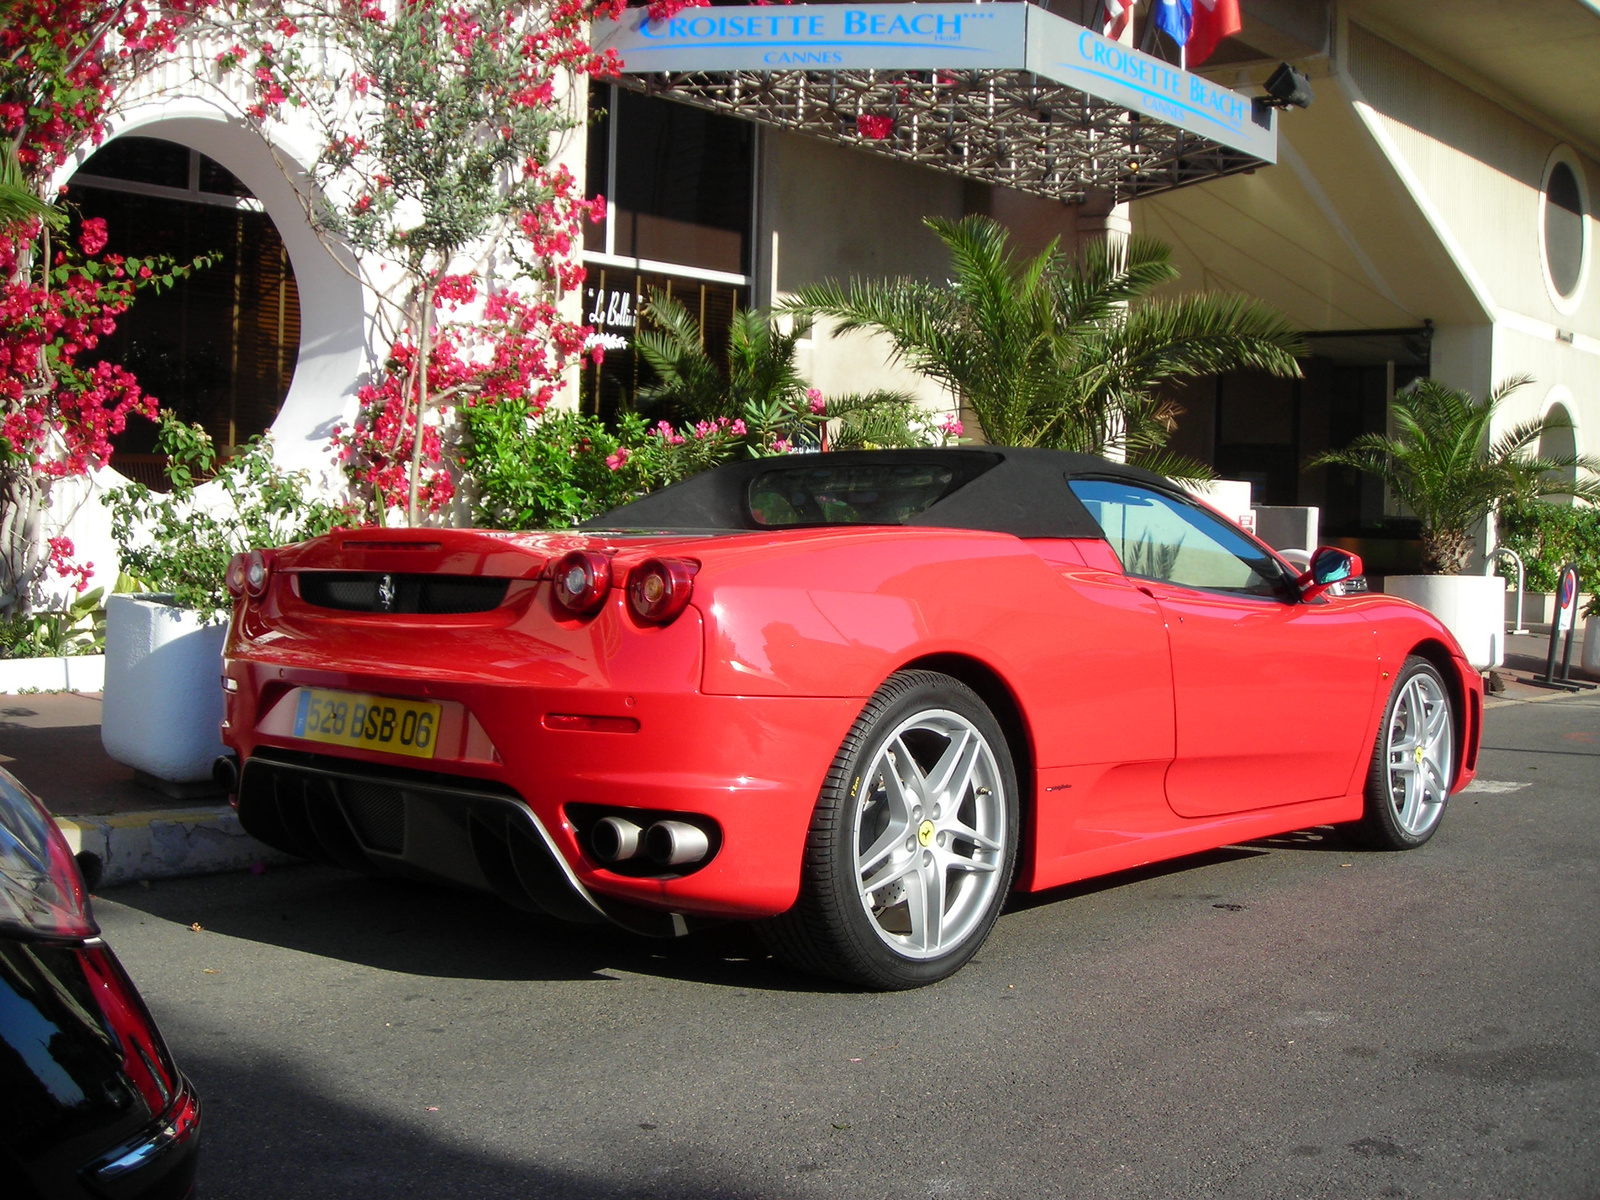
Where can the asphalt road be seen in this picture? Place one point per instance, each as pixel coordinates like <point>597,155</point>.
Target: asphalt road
<point>1292,1018</point>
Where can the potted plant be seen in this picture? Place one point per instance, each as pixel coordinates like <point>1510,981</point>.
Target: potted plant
<point>1590,661</point>
<point>1442,464</point>
<point>163,704</point>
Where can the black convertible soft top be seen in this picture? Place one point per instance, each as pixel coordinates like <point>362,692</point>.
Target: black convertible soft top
<point>1002,489</point>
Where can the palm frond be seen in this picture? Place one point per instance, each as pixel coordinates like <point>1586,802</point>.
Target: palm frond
<point>1173,465</point>
<point>17,200</point>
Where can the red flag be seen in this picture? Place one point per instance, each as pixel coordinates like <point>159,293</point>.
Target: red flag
<point>1213,21</point>
<point>1118,14</point>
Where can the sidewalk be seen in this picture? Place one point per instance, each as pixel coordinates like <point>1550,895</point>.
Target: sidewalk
<point>1526,657</point>
<point>51,742</point>
<point>126,831</point>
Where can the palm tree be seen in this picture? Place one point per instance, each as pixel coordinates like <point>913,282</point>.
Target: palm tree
<point>1053,352</point>
<point>1442,465</point>
<point>759,383</point>
<point>759,369</point>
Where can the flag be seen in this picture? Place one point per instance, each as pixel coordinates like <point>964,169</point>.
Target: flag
<point>1118,14</point>
<point>1173,18</point>
<point>1212,20</point>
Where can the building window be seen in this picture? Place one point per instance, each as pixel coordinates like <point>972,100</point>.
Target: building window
<point>1563,232</point>
<point>679,184</point>
<point>220,347</point>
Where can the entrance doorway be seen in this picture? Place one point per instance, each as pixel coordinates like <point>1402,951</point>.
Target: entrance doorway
<point>1264,429</point>
<point>220,347</point>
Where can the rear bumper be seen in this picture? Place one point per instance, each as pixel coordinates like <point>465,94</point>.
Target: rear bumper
<point>158,1164</point>
<point>502,820</point>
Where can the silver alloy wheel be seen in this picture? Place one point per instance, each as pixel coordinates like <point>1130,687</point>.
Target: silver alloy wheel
<point>929,834</point>
<point>1420,750</point>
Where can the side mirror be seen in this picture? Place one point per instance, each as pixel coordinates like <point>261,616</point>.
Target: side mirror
<point>1329,565</point>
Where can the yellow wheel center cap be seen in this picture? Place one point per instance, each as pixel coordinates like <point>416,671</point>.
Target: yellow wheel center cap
<point>1419,754</point>
<point>925,832</point>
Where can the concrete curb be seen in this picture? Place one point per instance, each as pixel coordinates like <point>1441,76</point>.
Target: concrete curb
<point>166,844</point>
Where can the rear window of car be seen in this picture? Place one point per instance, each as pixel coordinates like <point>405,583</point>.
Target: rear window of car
<point>863,494</point>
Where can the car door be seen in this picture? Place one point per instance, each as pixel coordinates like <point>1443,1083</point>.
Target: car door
<point>1272,694</point>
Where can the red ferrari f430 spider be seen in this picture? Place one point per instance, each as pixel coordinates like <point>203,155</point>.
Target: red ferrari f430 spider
<point>856,697</point>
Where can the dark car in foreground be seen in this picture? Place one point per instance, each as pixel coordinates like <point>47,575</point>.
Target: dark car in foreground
<point>91,1103</point>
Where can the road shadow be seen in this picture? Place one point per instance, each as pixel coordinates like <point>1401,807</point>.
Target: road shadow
<point>1316,838</point>
<point>269,1133</point>
<point>431,930</point>
<point>1021,902</point>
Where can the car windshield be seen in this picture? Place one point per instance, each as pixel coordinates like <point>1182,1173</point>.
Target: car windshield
<point>863,494</point>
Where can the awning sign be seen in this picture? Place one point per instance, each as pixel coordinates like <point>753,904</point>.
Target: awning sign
<point>1082,59</point>
<point>939,37</point>
<point>821,37</point>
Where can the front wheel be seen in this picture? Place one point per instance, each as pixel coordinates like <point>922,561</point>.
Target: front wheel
<point>1413,763</point>
<point>913,841</point>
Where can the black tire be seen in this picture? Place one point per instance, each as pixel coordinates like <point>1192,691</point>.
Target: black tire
<point>888,936</point>
<point>1413,762</point>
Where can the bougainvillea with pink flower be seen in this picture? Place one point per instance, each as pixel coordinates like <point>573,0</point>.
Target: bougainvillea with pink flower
<point>63,63</point>
<point>441,125</point>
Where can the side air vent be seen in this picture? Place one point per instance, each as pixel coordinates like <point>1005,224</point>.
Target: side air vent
<point>376,592</point>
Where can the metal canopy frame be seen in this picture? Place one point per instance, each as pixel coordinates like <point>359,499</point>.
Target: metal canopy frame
<point>1003,127</point>
<point>1005,93</point>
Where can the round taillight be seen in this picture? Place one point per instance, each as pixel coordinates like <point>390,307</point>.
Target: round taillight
<point>257,570</point>
<point>658,590</point>
<point>236,575</point>
<point>582,579</point>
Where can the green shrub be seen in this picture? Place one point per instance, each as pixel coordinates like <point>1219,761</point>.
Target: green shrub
<point>181,543</point>
<point>77,628</point>
<point>549,471</point>
<point>1548,536</point>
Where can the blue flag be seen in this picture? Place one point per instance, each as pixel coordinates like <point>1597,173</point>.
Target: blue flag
<point>1175,18</point>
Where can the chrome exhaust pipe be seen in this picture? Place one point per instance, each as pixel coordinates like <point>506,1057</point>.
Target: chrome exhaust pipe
<point>676,843</point>
<point>614,839</point>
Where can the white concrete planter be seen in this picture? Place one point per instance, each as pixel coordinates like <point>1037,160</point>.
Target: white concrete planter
<point>73,673</point>
<point>1472,607</point>
<point>1591,646</point>
<point>163,696</point>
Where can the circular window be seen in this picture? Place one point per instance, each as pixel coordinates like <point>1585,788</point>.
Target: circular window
<point>1563,233</point>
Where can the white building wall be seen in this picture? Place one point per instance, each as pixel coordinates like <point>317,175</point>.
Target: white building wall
<point>1478,171</point>
<point>829,212</point>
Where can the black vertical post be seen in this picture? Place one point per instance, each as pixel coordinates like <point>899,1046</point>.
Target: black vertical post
<point>1566,609</point>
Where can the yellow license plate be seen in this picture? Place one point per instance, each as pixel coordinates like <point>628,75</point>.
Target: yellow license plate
<point>371,722</point>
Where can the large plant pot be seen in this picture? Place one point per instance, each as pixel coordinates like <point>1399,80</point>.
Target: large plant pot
<point>1591,646</point>
<point>163,696</point>
<point>1472,607</point>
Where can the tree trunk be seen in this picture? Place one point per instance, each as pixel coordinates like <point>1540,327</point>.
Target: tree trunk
<point>1446,551</point>
<point>424,349</point>
<point>22,549</point>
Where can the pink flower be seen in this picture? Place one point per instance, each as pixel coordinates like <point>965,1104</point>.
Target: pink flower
<point>737,428</point>
<point>874,127</point>
<point>781,446</point>
<point>93,237</point>
<point>951,426</point>
<point>819,405</point>
<point>616,461</point>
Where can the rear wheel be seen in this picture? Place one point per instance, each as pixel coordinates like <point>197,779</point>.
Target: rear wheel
<point>913,842</point>
<point>1413,763</point>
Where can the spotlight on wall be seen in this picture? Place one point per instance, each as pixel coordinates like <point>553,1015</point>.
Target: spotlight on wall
<point>1288,88</point>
